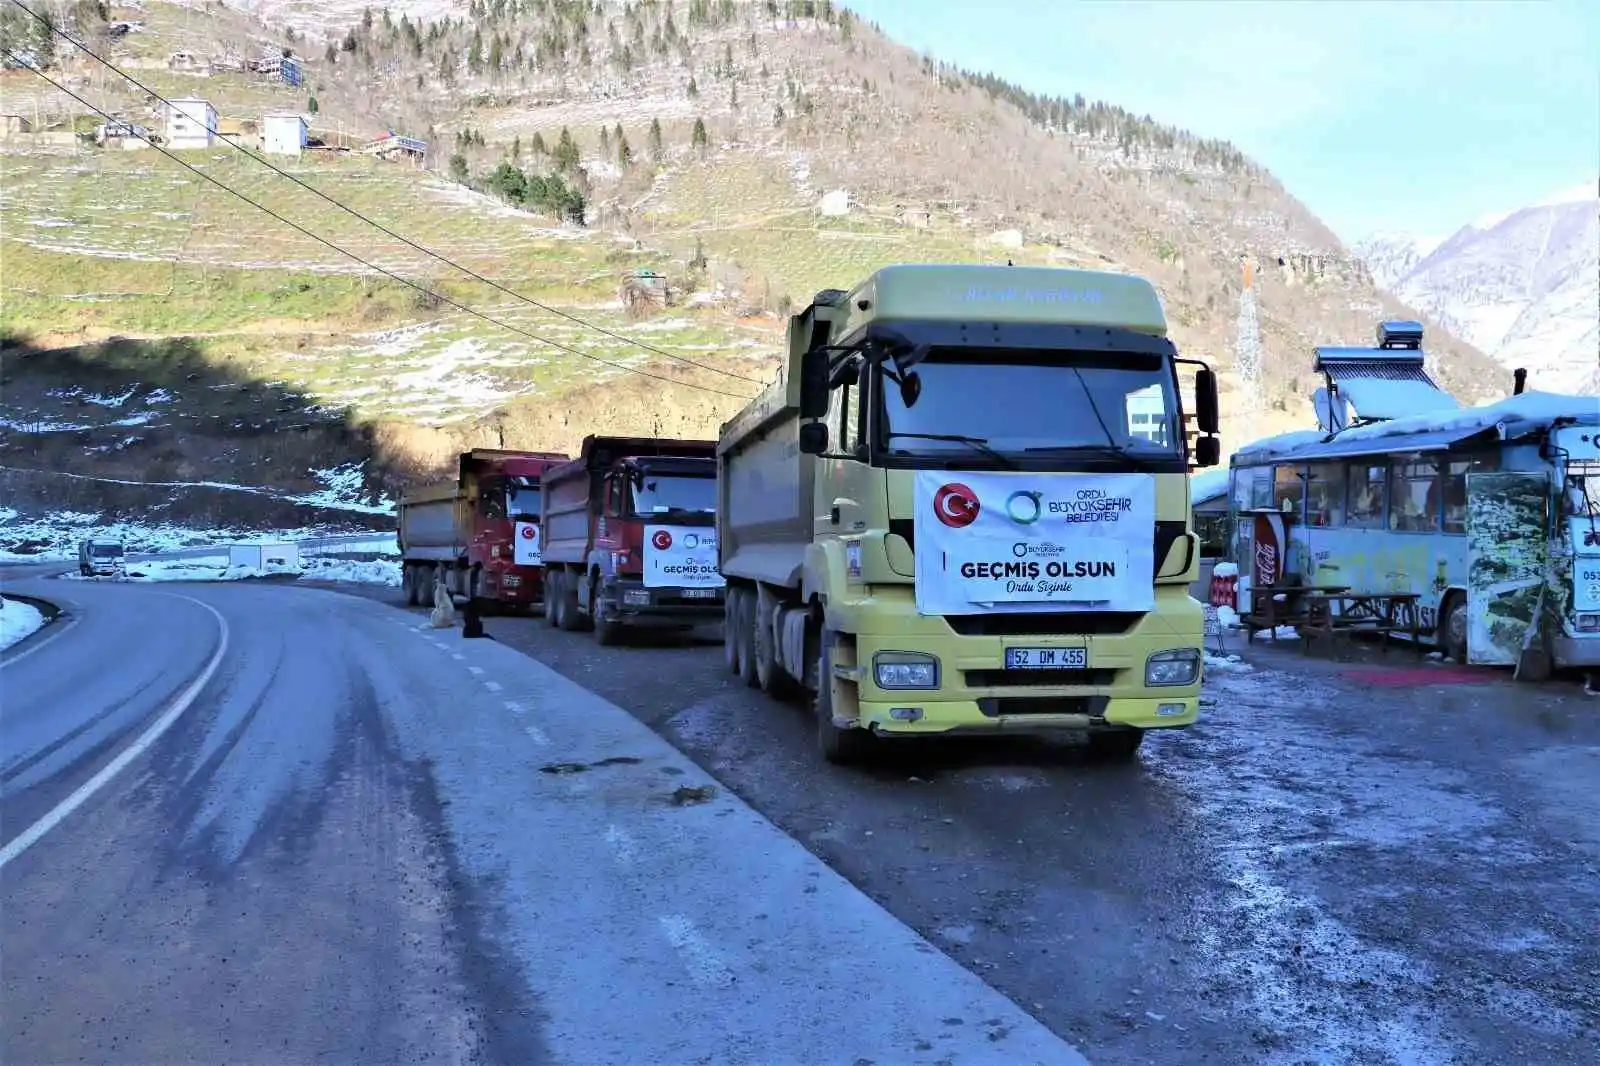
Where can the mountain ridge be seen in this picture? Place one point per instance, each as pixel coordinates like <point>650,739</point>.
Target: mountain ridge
<point>769,154</point>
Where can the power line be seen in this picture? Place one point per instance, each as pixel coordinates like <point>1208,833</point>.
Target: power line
<point>86,50</point>
<point>374,266</point>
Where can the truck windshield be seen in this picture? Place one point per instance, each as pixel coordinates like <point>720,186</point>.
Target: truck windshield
<point>105,551</point>
<point>660,495</point>
<point>1018,401</point>
<point>522,503</point>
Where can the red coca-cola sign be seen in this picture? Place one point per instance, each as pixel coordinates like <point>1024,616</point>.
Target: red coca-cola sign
<point>1271,542</point>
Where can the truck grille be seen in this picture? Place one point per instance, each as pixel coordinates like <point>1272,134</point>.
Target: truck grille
<point>994,707</point>
<point>1039,678</point>
<point>1054,623</point>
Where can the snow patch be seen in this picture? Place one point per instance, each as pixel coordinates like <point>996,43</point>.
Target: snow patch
<point>18,621</point>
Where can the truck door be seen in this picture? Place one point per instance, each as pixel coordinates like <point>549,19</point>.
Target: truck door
<point>1508,546</point>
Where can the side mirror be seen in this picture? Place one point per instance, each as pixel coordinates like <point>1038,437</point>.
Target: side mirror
<point>813,438</point>
<point>910,388</point>
<point>1207,451</point>
<point>814,383</point>
<point>1205,402</point>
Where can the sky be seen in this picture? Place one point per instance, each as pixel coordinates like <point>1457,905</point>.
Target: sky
<point>1404,116</point>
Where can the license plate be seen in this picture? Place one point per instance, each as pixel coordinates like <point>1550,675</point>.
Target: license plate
<point>699,594</point>
<point>1047,658</point>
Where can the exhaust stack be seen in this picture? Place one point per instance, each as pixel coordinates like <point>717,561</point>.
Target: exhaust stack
<point>1519,380</point>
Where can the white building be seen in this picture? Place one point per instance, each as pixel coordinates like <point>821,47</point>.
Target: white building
<point>191,123</point>
<point>283,133</point>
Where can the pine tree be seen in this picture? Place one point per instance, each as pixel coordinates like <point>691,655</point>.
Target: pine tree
<point>624,149</point>
<point>699,138</point>
<point>693,89</point>
<point>605,143</point>
<point>655,145</point>
<point>566,153</point>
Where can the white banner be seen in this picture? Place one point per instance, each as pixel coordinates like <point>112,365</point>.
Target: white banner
<point>682,557</point>
<point>992,541</point>
<point>525,545</point>
<point>1586,584</point>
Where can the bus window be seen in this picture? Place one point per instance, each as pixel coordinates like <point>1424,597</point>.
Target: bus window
<point>1414,497</point>
<point>1325,495</point>
<point>1367,482</point>
<point>1455,496</point>
<point>1288,489</point>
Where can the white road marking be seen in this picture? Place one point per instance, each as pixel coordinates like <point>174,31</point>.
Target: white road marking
<point>476,671</point>
<point>493,686</point>
<point>536,735</point>
<point>705,966</point>
<point>514,707</point>
<point>52,818</point>
<point>622,844</point>
<point>457,656</point>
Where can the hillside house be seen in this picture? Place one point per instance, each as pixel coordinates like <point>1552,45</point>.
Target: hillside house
<point>14,126</point>
<point>191,123</point>
<point>246,133</point>
<point>283,133</point>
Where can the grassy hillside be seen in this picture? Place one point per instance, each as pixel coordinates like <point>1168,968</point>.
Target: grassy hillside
<point>771,150</point>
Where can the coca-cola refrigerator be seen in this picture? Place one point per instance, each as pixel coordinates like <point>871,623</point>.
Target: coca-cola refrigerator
<point>1263,550</point>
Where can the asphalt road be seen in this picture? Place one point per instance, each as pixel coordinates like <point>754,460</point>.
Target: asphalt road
<point>258,823</point>
<point>1383,863</point>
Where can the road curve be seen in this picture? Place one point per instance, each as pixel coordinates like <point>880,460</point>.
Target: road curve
<point>363,841</point>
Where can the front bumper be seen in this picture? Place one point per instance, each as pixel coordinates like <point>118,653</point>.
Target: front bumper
<point>1576,651</point>
<point>977,693</point>
<point>630,602</point>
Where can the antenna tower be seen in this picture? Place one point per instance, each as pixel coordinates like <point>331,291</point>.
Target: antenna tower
<point>1247,345</point>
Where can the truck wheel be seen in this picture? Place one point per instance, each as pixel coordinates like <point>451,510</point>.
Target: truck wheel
<point>842,747</point>
<point>607,632</point>
<point>408,584</point>
<point>1452,637</point>
<point>1118,745</point>
<point>770,677</point>
<point>571,619</point>
<point>731,606</point>
<point>552,599</point>
<point>745,633</point>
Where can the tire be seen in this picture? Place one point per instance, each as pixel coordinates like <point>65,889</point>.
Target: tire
<point>1453,630</point>
<point>770,677</point>
<point>408,584</point>
<point>552,598</point>
<point>731,607</point>
<point>571,620</point>
<point>745,635</point>
<point>842,747</point>
<point>1118,745</point>
<point>606,633</point>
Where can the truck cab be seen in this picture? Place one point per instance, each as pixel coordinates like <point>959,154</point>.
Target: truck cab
<point>100,557</point>
<point>964,509</point>
<point>479,533</point>
<point>631,537</point>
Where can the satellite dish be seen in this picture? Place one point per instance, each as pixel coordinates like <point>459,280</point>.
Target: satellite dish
<point>1333,412</point>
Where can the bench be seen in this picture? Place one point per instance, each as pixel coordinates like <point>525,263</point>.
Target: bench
<point>1268,613</point>
<point>1359,612</point>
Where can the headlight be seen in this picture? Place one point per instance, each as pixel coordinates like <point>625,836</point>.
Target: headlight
<point>1177,667</point>
<point>1588,623</point>
<point>905,669</point>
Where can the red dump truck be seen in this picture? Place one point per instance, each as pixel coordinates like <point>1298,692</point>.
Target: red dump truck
<point>480,531</point>
<point>630,536</point>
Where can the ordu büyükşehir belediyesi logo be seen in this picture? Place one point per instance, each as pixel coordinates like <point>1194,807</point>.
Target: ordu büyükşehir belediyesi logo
<point>957,506</point>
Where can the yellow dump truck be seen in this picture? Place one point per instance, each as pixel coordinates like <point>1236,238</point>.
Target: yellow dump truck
<point>964,508</point>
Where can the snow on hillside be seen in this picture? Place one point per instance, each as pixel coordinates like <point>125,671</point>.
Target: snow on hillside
<point>1523,286</point>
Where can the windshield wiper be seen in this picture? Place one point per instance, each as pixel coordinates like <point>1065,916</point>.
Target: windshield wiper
<point>980,444</point>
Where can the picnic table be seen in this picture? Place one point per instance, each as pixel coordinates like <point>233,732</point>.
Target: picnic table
<point>1267,612</point>
<point>1364,612</point>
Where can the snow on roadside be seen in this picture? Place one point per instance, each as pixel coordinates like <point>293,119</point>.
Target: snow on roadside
<point>55,537</point>
<point>18,620</point>
<point>217,568</point>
